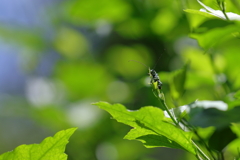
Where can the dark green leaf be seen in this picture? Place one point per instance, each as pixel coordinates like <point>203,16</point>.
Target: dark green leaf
<point>221,138</point>
<point>213,117</point>
<point>211,24</point>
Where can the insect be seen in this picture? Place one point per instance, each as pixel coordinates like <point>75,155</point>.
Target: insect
<point>153,75</point>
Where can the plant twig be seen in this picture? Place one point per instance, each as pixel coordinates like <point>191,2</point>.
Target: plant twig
<point>200,151</point>
<point>190,127</point>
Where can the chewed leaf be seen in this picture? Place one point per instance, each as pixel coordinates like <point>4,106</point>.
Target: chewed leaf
<point>51,148</point>
<point>149,124</point>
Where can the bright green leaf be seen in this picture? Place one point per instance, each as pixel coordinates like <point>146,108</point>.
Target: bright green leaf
<point>214,36</point>
<point>233,147</point>
<point>149,124</point>
<point>51,148</point>
<point>236,128</point>
<point>193,11</point>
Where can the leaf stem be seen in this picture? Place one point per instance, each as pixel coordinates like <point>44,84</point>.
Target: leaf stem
<point>222,7</point>
<point>200,151</point>
<point>159,94</point>
<point>161,98</point>
<point>192,128</point>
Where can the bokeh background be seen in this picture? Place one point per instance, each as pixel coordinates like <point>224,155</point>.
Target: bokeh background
<point>57,57</point>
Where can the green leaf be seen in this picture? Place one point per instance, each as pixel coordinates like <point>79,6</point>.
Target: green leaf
<point>214,36</point>
<point>221,138</point>
<point>150,127</point>
<point>51,148</point>
<point>177,83</point>
<point>219,13</point>
<point>151,139</point>
<point>213,117</point>
<point>212,24</point>
<point>233,148</point>
<point>193,11</point>
<point>236,128</point>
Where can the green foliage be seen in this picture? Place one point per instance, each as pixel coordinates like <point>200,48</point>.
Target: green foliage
<point>210,35</point>
<point>153,128</point>
<point>150,127</point>
<point>105,10</point>
<point>237,94</point>
<point>213,117</point>
<point>50,148</point>
<point>82,55</point>
<point>215,36</point>
<point>193,11</point>
<point>219,140</point>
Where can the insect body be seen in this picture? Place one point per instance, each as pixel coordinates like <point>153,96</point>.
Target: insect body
<point>155,78</point>
<point>153,75</point>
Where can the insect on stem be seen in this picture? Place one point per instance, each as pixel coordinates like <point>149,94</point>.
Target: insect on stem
<point>153,75</point>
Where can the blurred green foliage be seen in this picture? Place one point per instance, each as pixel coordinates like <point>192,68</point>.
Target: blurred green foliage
<point>94,41</point>
<point>50,148</point>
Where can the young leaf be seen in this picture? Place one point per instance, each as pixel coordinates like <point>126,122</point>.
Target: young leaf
<point>51,148</point>
<point>150,127</point>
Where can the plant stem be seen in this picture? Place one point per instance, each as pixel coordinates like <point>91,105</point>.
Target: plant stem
<point>158,93</point>
<point>192,128</point>
<point>172,116</point>
<point>222,7</point>
<point>200,151</point>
